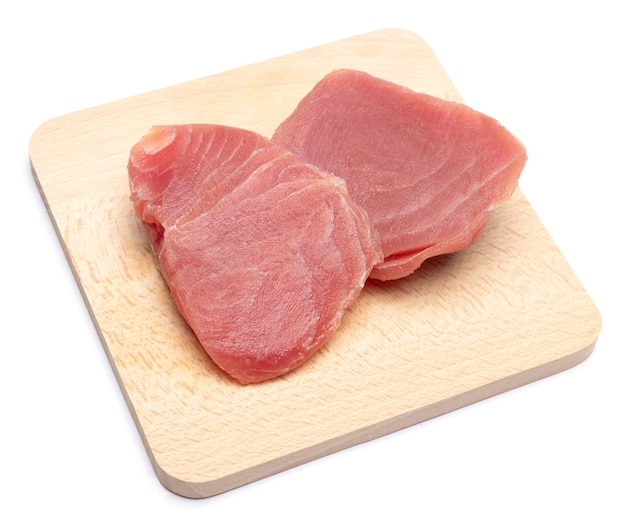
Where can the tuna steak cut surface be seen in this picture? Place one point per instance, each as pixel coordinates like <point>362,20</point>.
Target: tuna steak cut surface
<point>261,251</point>
<point>426,170</point>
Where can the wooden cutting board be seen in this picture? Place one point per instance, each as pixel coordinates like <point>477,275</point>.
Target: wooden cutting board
<point>466,326</point>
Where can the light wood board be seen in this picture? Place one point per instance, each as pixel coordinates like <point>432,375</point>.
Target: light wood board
<point>466,326</point>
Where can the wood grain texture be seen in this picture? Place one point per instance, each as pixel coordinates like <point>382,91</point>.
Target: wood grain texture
<point>466,326</point>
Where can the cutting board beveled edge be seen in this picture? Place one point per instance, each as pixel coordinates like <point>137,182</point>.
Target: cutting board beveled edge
<point>465,327</point>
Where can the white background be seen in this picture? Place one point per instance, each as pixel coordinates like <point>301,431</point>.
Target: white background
<point>552,72</point>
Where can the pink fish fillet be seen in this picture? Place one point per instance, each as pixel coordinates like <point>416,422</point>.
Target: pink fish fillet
<point>262,252</point>
<point>427,171</point>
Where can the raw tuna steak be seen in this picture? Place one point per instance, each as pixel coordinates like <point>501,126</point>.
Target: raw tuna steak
<point>427,171</point>
<point>262,252</point>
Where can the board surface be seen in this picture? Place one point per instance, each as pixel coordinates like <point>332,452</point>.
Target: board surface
<point>505,312</point>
